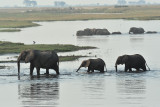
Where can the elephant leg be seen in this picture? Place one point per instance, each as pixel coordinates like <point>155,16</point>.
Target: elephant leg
<point>47,71</point>
<point>57,72</point>
<point>31,69</point>
<point>88,69</point>
<point>102,70</point>
<point>92,70</point>
<point>56,68</point>
<point>144,68</point>
<point>127,66</point>
<point>130,69</point>
<point>125,69</point>
<point>137,69</point>
<point>38,70</point>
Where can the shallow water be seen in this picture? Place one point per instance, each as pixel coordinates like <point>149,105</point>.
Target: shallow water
<point>71,89</point>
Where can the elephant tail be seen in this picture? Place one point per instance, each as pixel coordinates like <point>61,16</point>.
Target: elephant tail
<point>105,67</point>
<point>148,67</point>
<point>58,62</point>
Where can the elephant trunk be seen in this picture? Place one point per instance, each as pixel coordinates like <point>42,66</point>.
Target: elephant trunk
<point>18,65</point>
<point>78,69</point>
<point>116,67</point>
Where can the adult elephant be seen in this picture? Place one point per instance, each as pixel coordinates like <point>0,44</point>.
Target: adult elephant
<point>93,64</point>
<point>135,30</point>
<point>136,61</point>
<point>89,32</point>
<point>39,59</point>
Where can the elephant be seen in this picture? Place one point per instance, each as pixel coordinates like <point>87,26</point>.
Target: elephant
<point>151,32</point>
<point>93,64</point>
<point>101,32</point>
<point>135,30</point>
<point>116,33</point>
<point>89,32</point>
<point>136,61</point>
<point>39,59</point>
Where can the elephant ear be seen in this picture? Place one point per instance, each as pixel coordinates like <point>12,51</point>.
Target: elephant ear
<point>29,56</point>
<point>125,59</point>
<point>87,63</point>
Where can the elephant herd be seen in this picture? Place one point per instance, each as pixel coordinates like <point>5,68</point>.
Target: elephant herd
<point>50,60</point>
<point>132,30</point>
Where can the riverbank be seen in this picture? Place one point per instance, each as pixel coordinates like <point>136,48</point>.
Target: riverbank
<point>10,30</point>
<point>25,17</point>
<point>10,48</point>
<point>16,23</point>
<point>61,59</point>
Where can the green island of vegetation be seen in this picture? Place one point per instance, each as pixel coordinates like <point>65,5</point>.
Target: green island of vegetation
<point>61,59</point>
<point>9,48</point>
<point>10,30</point>
<point>25,17</point>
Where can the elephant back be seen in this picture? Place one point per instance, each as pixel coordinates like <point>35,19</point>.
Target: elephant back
<point>96,63</point>
<point>137,59</point>
<point>140,57</point>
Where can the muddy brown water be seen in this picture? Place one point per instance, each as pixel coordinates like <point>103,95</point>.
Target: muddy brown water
<point>71,89</point>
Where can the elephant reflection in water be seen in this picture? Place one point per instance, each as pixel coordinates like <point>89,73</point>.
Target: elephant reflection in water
<point>131,90</point>
<point>94,87</point>
<point>39,94</point>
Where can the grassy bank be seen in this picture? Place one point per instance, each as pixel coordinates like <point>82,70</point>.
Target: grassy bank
<point>16,24</point>
<point>9,47</point>
<point>24,17</point>
<point>10,30</point>
<point>61,59</point>
<point>69,58</point>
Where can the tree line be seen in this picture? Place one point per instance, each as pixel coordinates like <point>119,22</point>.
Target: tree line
<point>33,3</point>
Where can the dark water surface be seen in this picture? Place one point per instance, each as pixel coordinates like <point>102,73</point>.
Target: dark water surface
<point>71,89</point>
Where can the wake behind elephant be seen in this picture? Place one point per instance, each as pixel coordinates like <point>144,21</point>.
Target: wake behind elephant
<point>136,61</point>
<point>39,59</point>
<point>93,64</point>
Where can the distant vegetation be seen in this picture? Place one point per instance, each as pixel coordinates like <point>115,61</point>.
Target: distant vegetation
<point>10,30</point>
<point>16,24</point>
<point>30,3</point>
<point>61,59</point>
<point>69,58</point>
<point>25,17</point>
<point>9,47</point>
<point>59,3</point>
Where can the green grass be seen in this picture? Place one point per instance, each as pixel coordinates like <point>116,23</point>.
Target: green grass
<point>10,30</point>
<point>16,24</point>
<point>9,47</point>
<point>69,58</point>
<point>61,59</point>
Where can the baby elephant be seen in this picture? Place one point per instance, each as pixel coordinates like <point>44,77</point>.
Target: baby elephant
<point>132,61</point>
<point>93,64</point>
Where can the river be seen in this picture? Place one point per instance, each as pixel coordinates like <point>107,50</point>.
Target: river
<point>72,89</point>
